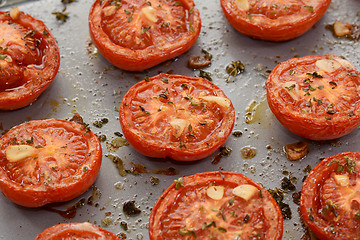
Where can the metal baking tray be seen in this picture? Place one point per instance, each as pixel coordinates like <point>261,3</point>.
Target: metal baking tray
<point>88,84</point>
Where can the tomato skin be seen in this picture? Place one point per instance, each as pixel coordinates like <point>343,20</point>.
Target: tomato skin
<point>320,187</point>
<point>79,231</point>
<point>66,162</point>
<point>31,74</point>
<point>164,45</point>
<point>309,111</point>
<point>274,20</point>
<point>180,204</point>
<point>148,127</point>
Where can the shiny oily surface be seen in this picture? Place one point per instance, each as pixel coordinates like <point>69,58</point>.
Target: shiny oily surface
<point>88,84</point>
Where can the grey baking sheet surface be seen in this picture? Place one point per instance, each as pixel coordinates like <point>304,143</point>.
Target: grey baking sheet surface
<point>91,86</point>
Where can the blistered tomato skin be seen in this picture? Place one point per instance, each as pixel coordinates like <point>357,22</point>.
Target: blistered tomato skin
<point>78,231</point>
<point>46,161</point>
<point>275,20</point>
<point>223,205</point>
<point>184,118</point>
<point>136,35</point>
<point>330,198</point>
<point>315,97</point>
<point>29,59</point>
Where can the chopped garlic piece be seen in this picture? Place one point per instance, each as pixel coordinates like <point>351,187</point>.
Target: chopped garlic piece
<point>8,58</point>
<point>15,13</point>
<point>342,180</point>
<point>341,28</point>
<point>149,13</point>
<point>223,102</point>
<point>245,191</point>
<point>178,126</point>
<point>243,4</point>
<point>292,88</point>
<point>109,10</point>
<point>15,153</point>
<point>215,192</point>
<point>327,65</point>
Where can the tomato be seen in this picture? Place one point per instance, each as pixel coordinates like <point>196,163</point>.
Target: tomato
<point>274,20</point>
<point>184,118</point>
<point>45,161</point>
<point>135,35</point>
<point>315,97</point>
<point>330,198</point>
<point>78,231</point>
<point>29,59</point>
<point>216,205</point>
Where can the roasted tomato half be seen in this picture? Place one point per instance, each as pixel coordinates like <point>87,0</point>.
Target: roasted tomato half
<point>138,34</point>
<point>78,231</point>
<point>45,161</point>
<point>216,205</point>
<point>274,20</point>
<point>315,97</point>
<point>29,59</point>
<point>330,198</point>
<point>184,118</point>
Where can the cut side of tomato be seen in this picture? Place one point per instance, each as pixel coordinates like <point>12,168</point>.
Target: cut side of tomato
<point>29,59</point>
<point>218,205</point>
<point>78,231</point>
<point>274,20</point>
<point>315,97</point>
<point>46,161</point>
<point>330,198</point>
<point>174,116</point>
<point>135,35</point>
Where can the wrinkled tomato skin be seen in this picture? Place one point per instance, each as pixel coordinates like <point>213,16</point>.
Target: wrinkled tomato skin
<point>298,116</point>
<point>79,231</point>
<point>156,146</point>
<point>71,168</point>
<point>27,76</point>
<point>171,210</point>
<point>129,57</point>
<point>315,190</point>
<point>273,26</point>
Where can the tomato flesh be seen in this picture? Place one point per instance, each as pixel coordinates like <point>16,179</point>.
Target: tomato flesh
<point>135,35</point>
<point>186,211</point>
<point>76,231</point>
<point>29,60</point>
<point>169,116</point>
<point>316,97</point>
<point>61,159</point>
<point>274,20</point>
<point>330,199</point>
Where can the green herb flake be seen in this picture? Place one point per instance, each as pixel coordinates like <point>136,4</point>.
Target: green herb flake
<point>178,183</point>
<point>130,19</point>
<point>206,75</point>
<point>357,215</point>
<point>185,232</point>
<point>145,29</point>
<point>334,84</point>
<point>164,80</point>
<point>310,8</point>
<point>165,24</point>
<point>291,87</point>
<point>292,72</point>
